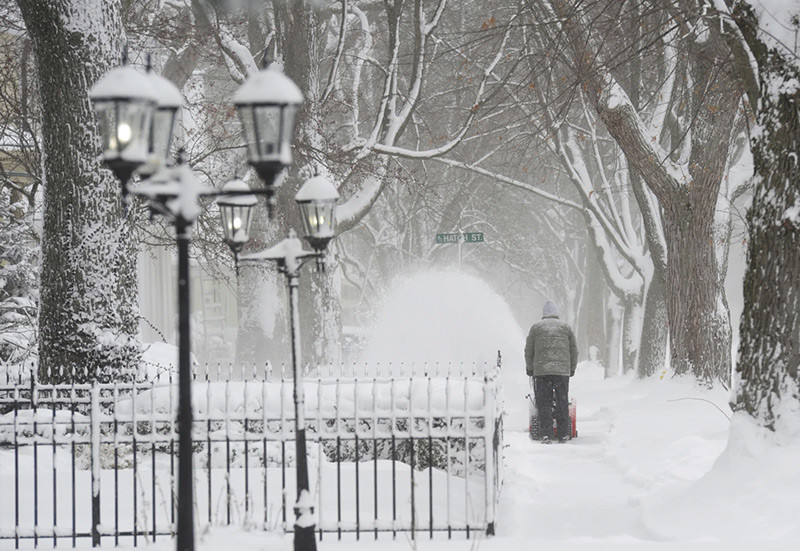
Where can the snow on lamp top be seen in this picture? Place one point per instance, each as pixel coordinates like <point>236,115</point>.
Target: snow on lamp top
<point>123,83</point>
<point>238,194</point>
<point>317,188</point>
<point>167,94</point>
<point>269,86</point>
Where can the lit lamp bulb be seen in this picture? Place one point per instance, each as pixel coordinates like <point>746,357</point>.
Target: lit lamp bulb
<point>124,133</point>
<point>237,223</point>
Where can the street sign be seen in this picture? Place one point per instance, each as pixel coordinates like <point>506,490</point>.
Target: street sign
<point>448,237</point>
<point>470,237</point>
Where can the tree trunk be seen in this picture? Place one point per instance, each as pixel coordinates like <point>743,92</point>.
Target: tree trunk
<point>631,331</point>
<point>655,331</point>
<point>88,316</point>
<point>325,318</point>
<point>769,348</point>
<point>263,314</point>
<point>591,318</point>
<point>614,323</point>
<point>263,321</point>
<point>697,342</point>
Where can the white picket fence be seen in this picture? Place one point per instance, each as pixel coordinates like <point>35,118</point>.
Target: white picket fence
<point>392,449</point>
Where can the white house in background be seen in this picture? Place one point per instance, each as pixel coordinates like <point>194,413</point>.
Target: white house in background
<point>214,309</point>
<point>213,306</point>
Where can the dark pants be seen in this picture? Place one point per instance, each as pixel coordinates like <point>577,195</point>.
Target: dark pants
<point>543,388</point>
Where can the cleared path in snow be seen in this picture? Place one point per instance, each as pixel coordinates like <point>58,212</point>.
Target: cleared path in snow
<point>638,442</point>
<point>567,491</point>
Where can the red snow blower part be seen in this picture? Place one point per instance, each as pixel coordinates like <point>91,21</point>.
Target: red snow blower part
<point>533,415</point>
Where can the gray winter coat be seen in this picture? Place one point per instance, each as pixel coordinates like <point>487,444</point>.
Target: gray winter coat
<point>551,348</point>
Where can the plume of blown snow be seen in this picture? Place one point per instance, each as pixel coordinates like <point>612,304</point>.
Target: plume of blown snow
<point>451,318</point>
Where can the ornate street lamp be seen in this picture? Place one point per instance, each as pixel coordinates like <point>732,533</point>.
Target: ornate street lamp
<point>162,128</point>
<point>137,115</point>
<point>236,212</point>
<point>267,104</point>
<point>317,200</point>
<point>124,102</point>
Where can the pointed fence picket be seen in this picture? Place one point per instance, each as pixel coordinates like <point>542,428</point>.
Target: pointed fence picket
<point>392,449</point>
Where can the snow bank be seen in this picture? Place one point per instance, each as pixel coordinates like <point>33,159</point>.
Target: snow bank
<point>750,494</point>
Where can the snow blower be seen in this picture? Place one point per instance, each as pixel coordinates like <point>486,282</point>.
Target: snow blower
<point>533,415</point>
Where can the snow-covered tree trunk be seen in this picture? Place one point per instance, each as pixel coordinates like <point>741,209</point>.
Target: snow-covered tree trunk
<point>614,333</point>
<point>768,368</point>
<point>631,330</point>
<point>300,33</point>
<point>591,318</point>
<point>696,345</point>
<point>685,181</point>
<point>88,316</point>
<point>262,333</point>
<point>655,330</point>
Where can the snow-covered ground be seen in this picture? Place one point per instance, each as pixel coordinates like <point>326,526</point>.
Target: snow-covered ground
<point>658,464</point>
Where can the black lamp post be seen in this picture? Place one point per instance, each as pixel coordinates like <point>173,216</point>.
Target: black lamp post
<point>174,193</point>
<point>137,114</point>
<point>317,200</point>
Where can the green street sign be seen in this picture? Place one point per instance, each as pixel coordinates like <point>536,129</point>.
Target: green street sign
<point>471,237</point>
<point>448,237</point>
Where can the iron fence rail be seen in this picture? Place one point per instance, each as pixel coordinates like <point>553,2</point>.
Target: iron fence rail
<point>416,452</point>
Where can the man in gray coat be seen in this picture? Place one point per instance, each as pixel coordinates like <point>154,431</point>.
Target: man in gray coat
<point>551,355</point>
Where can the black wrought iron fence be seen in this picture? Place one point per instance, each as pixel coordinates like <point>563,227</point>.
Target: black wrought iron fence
<point>412,449</point>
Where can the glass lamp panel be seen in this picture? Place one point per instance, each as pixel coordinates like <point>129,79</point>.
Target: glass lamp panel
<point>107,122</point>
<point>163,130</point>
<point>318,219</point>
<point>236,221</point>
<point>268,131</point>
<point>247,116</point>
<point>289,118</point>
<point>133,129</point>
<point>124,128</point>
